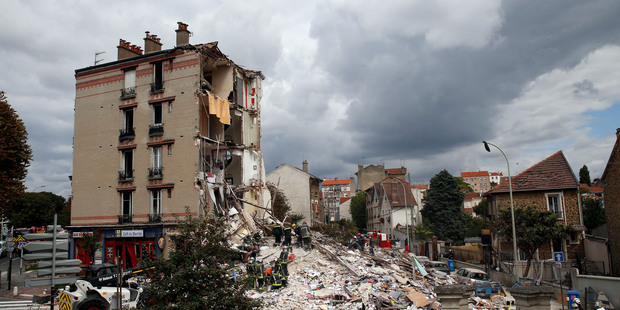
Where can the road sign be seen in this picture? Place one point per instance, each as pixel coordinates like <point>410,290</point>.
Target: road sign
<point>60,263</point>
<point>558,256</point>
<point>45,255</point>
<point>21,244</point>
<point>58,270</point>
<point>48,281</point>
<point>36,246</point>
<point>46,236</point>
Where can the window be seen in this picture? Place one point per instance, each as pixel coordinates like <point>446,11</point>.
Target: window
<point>126,172</point>
<point>155,172</point>
<point>156,202</point>
<point>554,203</point>
<point>157,125</point>
<point>129,91</point>
<point>158,77</point>
<point>126,207</point>
<point>127,129</point>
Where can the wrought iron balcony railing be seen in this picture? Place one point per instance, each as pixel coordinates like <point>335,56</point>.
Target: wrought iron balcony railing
<point>156,129</point>
<point>154,218</point>
<point>125,219</point>
<point>125,175</point>
<point>127,134</point>
<point>156,173</point>
<point>128,93</point>
<point>157,87</point>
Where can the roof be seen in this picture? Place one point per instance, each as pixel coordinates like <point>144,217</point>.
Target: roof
<point>474,174</point>
<point>337,182</point>
<point>470,196</point>
<point>401,170</point>
<point>295,168</point>
<point>613,157</point>
<point>394,192</point>
<point>552,173</point>
<point>344,199</point>
<point>420,186</point>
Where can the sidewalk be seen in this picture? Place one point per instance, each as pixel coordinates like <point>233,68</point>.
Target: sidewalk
<point>18,280</point>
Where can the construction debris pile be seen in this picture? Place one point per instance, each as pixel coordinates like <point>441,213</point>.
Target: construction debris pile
<point>331,276</point>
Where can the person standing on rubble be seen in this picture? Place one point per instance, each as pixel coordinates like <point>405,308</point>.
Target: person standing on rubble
<point>304,231</point>
<point>371,244</point>
<point>361,242</point>
<point>298,234</point>
<point>284,261</point>
<point>277,232</point>
<point>287,235</point>
<point>260,274</point>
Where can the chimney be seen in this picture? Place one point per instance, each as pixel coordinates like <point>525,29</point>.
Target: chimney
<point>305,166</point>
<point>182,34</point>
<point>151,43</point>
<point>127,50</point>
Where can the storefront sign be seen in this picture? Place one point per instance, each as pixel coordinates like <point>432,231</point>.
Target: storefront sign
<point>130,233</point>
<point>161,243</point>
<point>79,234</point>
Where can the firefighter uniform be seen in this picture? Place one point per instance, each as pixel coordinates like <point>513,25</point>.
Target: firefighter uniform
<point>277,233</point>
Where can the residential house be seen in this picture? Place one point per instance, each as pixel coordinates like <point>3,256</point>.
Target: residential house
<point>480,181</point>
<point>301,189</point>
<point>161,134</point>
<point>548,185</point>
<point>334,191</point>
<point>389,205</point>
<point>611,194</point>
<point>470,201</point>
<point>371,174</point>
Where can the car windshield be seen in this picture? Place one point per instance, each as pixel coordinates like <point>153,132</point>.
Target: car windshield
<point>478,276</point>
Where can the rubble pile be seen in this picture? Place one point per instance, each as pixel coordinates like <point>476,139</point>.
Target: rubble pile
<point>331,276</point>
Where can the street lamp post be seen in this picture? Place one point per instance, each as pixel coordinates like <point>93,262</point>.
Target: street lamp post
<point>512,210</point>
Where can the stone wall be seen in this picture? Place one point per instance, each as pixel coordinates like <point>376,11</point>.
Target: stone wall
<point>611,194</point>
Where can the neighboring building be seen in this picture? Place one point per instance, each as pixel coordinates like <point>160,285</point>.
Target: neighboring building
<point>371,174</point>
<point>611,190</point>
<point>333,192</point>
<point>549,185</point>
<point>344,209</point>
<point>389,203</point>
<point>480,181</point>
<point>160,135</point>
<point>495,178</point>
<point>302,190</point>
<point>470,201</point>
<point>419,192</point>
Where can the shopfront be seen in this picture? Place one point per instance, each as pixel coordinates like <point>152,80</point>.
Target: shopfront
<point>123,245</point>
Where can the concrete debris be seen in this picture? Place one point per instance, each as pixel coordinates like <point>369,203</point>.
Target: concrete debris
<point>330,276</point>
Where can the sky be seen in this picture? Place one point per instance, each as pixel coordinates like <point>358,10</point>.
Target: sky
<point>406,83</point>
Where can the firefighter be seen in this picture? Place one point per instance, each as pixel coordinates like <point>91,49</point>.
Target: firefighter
<point>304,231</point>
<point>260,274</point>
<point>278,273</point>
<point>298,234</point>
<point>252,273</point>
<point>277,232</point>
<point>284,261</point>
<point>287,235</point>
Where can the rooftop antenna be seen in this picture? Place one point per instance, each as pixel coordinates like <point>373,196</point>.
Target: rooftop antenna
<point>98,60</point>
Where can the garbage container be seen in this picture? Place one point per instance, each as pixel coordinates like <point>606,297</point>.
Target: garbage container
<point>451,264</point>
<point>571,295</point>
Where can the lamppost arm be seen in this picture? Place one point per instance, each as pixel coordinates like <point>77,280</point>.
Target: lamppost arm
<point>512,209</point>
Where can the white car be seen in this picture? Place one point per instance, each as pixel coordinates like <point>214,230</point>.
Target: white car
<point>471,276</point>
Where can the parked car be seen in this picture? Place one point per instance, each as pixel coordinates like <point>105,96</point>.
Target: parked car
<point>437,266</point>
<point>422,259</point>
<point>471,276</point>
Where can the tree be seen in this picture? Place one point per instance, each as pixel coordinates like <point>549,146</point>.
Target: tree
<point>423,232</point>
<point>474,226</point>
<point>463,185</point>
<point>482,209</point>
<point>593,213</point>
<point>280,206</point>
<point>358,211</point>
<point>442,207</point>
<point>199,273</point>
<point>15,154</point>
<point>90,244</point>
<point>584,176</point>
<point>534,227</point>
<point>35,209</point>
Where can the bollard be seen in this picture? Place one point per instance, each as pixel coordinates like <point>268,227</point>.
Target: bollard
<point>15,292</point>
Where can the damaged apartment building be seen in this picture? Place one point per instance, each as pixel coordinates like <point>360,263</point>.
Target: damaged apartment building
<point>161,134</point>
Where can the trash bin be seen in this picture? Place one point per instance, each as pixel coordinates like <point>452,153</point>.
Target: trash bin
<point>571,295</point>
<point>451,264</point>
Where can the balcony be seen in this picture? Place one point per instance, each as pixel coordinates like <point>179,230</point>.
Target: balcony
<point>156,173</point>
<point>125,175</point>
<point>154,218</point>
<point>156,130</point>
<point>127,134</point>
<point>157,87</point>
<point>125,219</point>
<point>128,93</point>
